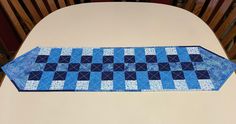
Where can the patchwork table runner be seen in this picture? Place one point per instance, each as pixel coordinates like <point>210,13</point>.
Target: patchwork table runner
<point>119,69</point>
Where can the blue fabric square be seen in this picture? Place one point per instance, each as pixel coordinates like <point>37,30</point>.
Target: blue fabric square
<point>202,74</point>
<point>108,59</point>
<point>129,59</point>
<point>173,58</point>
<point>130,75</point>
<point>154,75</point>
<point>35,75</point>
<point>74,67</point>
<point>187,66</point>
<point>175,66</point>
<point>85,67</point>
<point>60,75</point>
<point>196,57</point>
<point>177,75</point>
<point>50,67</point>
<point>64,59</point>
<point>86,59</point>
<point>42,59</point>
<point>141,66</point>
<point>96,67</point>
<point>108,67</point>
<point>130,67</point>
<point>164,66</point>
<point>107,75</point>
<point>152,67</point>
<point>62,67</point>
<point>151,58</point>
<point>84,75</point>
<point>118,67</point>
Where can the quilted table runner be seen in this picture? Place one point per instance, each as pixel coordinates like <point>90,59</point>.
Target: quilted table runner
<point>119,69</point>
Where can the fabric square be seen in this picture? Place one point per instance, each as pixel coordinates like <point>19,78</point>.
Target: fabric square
<point>129,51</point>
<point>31,85</point>
<point>171,51</point>
<point>196,58</point>
<point>44,51</point>
<point>152,67</point>
<point>151,58</point>
<point>150,51</point>
<point>62,67</point>
<point>181,85</point>
<point>175,66</point>
<point>42,59</point>
<point>141,66</point>
<point>118,66</point>
<point>131,85</point>
<point>130,75</point>
<point>130,67</point>
<point>50,67</point>
<point>107,67</point>
<point>155,85</point>
<point>164,66</point>
<point>107,75</point>
<point>60,75</point>
<point>206,84</point>
<point>74,67</point>
<point>154,75</point>
<point>35,75</point>
<point>178,75</point>
<point>173,58</point>
<point>86,59</point>
<point>129,59</point>
<point>57,85</point>
<point>82,85</point>
<point>107,85</point>
<point>108,52</point>
<point>187,66</point>
<point>84,75</point>
<point>96,67</point>
<point>85,67</point>
<point>87,52</point>
<point>202,74</point>
<point>108,59</point>
<point>66,51</point>
<point>193,50</point>
<point>64,59</point>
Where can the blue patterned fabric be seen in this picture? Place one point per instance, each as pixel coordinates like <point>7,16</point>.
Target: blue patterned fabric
<point>119,69</point>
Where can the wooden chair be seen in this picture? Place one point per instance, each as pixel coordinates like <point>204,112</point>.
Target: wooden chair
<point>24,14</point>
<point>220,15</point>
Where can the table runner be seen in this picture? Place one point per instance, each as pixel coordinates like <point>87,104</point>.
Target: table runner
<point>119,69</point>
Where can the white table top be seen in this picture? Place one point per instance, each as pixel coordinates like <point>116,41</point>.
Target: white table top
<point>119,24</point>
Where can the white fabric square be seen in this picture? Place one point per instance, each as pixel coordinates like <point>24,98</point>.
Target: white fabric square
<point>150,51</point>
<point>108,52</point>
<point>57,85</point>
<point>87,51</point>
<point>131,85</point>
<point>66,51</point>
<point>107,85</point>
<point>181,85</point>
<point>155,85</point>
<point>31,85</point>
<point>82,85</point>
<point>44,51</point>
<point>171,51</point>
<point>193,50</point>
<point>206,84</point>
<point>129,51</point>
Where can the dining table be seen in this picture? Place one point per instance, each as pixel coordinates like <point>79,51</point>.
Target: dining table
<point>120,24</point>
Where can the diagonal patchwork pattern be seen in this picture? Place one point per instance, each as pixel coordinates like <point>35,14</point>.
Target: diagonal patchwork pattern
<point>119,69</point>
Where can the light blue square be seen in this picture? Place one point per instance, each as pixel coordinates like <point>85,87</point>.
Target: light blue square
<point>107,67</point>
<point>130,67</point>
<point>85,67</point>
<point>152,67</point>
<point>62,67</point>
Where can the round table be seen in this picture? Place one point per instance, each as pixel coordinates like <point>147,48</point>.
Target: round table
<point>115,25</point>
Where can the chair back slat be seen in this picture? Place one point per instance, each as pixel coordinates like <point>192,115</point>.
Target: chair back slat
<point>52,5</point>
<point>71,2</point>
<point>29,5</point>
<point>228,37</point>
<point>220,13</point>
<point>42,7</point>
<point>198,7</point>
<point>189,5</point>
<point>210,8</point>
<point>62,3</point>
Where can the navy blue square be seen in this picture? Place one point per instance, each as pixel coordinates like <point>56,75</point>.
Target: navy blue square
<point>35,75</point>
<point>107,75</point>
<point>202,74</point>
<point>173,58</point>
<point>50,67</point>
<point>96,67</point>
<point>59,75</point>
<point>164,66</point>
<point>84,75</point>
<point>64,59</point>
<point>177,75</point>
<point>42,59</point>
<point>108,59</point>
<point>187,66</point>
<point>73,67</point>
<point>196,57</point>
<point>129,59</point>
<point>151,58</point>
<point>130,75</point>
<point>86,59</point>
<point>118,67</point>
<point>154,75</point>
<point>141,66</point>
